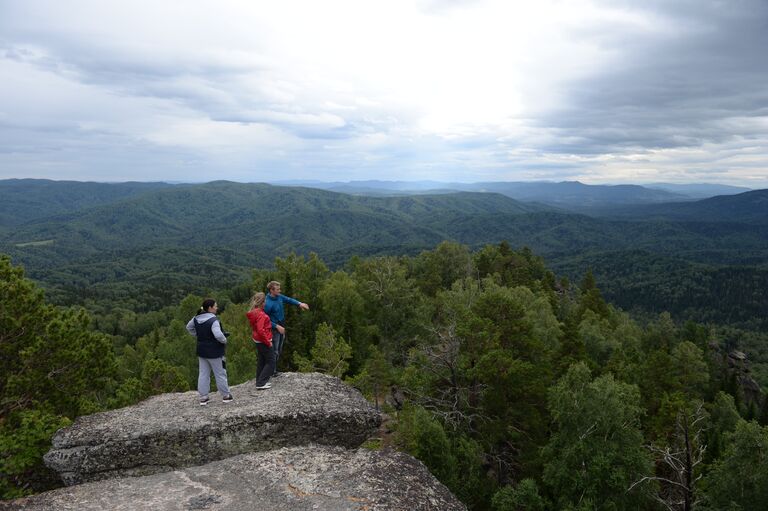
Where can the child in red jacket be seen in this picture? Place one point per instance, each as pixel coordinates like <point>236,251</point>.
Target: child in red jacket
<point>262,336</point>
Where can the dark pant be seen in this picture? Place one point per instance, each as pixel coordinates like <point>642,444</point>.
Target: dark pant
<point>266,364</point>
<point>278,340</point>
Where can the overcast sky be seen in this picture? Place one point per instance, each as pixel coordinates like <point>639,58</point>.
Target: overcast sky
<point>453,90</point>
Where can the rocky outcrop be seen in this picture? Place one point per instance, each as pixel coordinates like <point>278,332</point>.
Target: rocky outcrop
<point>736,365</point>
<point>172,431</point>
<point>291,478</point>
<point>293,447</point>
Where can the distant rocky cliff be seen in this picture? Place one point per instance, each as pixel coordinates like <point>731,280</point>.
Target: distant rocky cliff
<point>295,446</point>
<point>735,364</point>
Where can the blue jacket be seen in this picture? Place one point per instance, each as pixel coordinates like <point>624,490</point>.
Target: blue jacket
<point>274,308</point>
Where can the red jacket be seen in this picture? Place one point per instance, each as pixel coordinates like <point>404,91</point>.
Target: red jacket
<point>261,326</point>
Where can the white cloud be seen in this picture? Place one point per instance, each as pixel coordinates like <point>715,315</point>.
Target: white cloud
<point>456,90</point>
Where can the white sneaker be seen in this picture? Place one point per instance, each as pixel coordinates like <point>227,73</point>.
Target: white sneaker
<point>265,386</point>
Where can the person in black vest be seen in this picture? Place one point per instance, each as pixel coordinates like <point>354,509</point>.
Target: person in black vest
<point>211,342</point>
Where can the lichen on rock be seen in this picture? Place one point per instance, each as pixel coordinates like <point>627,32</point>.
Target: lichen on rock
<point>292,478</point>
<point>172,431</point>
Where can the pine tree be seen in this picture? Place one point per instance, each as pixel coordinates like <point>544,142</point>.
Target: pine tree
<point>330,354</point>
<point>54,368</point>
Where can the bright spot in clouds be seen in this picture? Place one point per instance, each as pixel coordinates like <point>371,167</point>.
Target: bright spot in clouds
<point>455,90</point>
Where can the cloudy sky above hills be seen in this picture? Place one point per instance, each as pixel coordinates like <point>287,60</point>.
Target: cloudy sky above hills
<point>453,90</point>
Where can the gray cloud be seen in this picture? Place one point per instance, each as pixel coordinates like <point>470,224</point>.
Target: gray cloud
<point>676,86</point>
<point>680,87</point>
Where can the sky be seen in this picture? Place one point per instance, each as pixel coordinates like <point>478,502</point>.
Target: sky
<point>456,90</point>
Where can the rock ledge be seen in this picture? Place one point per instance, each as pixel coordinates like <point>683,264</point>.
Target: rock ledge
<point>172,431</point>
<point>291,478</point>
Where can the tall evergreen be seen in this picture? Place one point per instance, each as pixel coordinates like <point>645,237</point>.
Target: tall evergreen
<point>54,368</point>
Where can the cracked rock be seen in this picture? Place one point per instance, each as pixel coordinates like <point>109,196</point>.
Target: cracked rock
<point>302,478</point>
<point>172,431</point>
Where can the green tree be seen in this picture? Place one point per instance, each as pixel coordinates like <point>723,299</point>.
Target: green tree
<point>512,416</point>
<point>421,435</point>
<point>158,377</point>
<point>54,368</point>
<point>329,355</point>
<point>591,298</point>
<point>513,268</point>
<point>690,370</point>
<point>739,479</point>
<point>22,448</point>
<point>343,308</point>
<point>375,378</point>
<point>393,304</point>
<point>437,269</point>
<point>723,418</point>
<point>596,450</point>
<point>454,459</point>
<point>301,278</point>
<point>678,463</point>
<point>524,496</point>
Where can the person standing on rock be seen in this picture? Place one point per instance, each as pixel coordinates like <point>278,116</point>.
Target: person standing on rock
<point>273,306</point>
<point>261,327</point>
<point>211,343</point>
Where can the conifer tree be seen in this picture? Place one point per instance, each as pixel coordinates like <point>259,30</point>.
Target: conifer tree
<point>54,368</point>
<point>330,353</point>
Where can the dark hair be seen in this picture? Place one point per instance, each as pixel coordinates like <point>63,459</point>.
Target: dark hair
<point>207,304</point>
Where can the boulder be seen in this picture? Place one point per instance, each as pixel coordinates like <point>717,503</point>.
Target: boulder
<point>309,477</point>
<point>172,431</point>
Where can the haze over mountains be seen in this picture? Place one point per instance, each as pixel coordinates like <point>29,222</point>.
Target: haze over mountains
<point>80,238</point>
<point>566,194</point>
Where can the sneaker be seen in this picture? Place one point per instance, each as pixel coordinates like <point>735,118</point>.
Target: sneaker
<point>264,387</point>
<point>204,401</point>
<point>227,398</point>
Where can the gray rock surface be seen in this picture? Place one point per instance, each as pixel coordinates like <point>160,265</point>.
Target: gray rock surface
<point>310,477</point>
<point>172,431</point>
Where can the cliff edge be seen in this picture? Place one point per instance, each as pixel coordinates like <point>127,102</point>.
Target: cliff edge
<point>295,446</point>
<point>172,431</point>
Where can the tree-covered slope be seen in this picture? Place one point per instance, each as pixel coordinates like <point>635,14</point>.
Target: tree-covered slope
<point>570,195</point>
<point>185,238</point>
<point>153,241</point>
<point>247,218</point>
<point>748,207</point>
<point>22,200</point>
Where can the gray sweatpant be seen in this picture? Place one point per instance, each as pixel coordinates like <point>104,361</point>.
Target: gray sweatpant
<point>207,365</point>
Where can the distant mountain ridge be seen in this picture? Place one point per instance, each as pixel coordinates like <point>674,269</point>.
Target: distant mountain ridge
<point>22,200</point>
<point>161,244</point>
<point>699,190</point>
<point>176,238</point>
<point>748,207</point>
<point>570,195</point>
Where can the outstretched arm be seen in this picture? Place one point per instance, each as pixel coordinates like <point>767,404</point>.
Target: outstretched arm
<point>294,301</point>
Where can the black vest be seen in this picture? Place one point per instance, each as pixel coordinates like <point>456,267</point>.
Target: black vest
<point>207,345</point>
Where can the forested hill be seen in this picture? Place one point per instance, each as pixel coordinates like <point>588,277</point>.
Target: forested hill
<point>170,241</point>
<point>571,195</point>
<point>748,207</point>
<point>252,217</point>
<point>163,243</point>
<point>503,380</point>
<point>22,200</point>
